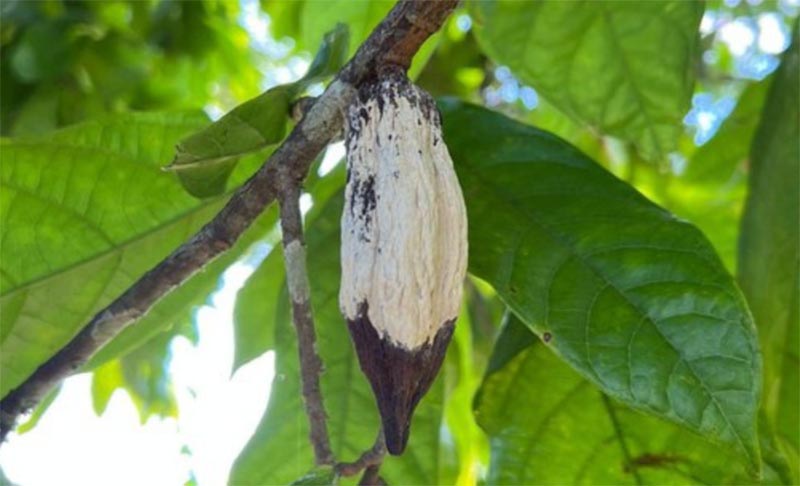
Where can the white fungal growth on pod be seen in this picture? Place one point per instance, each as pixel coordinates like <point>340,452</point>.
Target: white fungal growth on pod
<point>404,246</point>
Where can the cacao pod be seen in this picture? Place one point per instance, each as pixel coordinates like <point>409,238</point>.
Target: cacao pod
<point>404,246</point>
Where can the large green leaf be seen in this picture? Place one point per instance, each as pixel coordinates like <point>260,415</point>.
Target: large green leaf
<point>769,253</point>
<point>633,298</point>
<point>714,208</point>
<point>462,369</point>
<point>360,17</point>
<point>711,191</point>
<point>84,213</point>
<point>549,425</point>
<point>624,67</point>
<point>205,159</point>
<point>279,452</point>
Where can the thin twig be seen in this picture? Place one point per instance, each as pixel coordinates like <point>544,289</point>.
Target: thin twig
<point>395,41</point>
<point>371,477</point>
<point>294,255</point>
<point>370,458</point>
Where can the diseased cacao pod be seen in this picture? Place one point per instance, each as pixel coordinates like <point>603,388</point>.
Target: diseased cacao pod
<point>404,246</point>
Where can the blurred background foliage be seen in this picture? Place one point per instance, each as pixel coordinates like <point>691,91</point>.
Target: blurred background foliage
<point>64,62</point>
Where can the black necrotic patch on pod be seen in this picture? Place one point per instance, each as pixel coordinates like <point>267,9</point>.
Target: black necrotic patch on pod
<point>399,377</point>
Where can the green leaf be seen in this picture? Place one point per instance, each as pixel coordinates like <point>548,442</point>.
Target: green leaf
<point>360,17</point>
<point>143,374</point>
<point>282,436</point>
<point>331,56</point>
<point>320,476</point>
<point>769,252</point>
<point>626,68</point>
<point>85,212</point>
<point>725,154</point>
<point>514,337</point>
<point>633,298</point>
<point>105,381</point>
<point>204,160</point>
<point>549,118</point>
<point>548,425</point>
<point>714,208</point>
<point>284,18</point>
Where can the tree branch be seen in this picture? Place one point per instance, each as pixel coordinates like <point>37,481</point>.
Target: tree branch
<point>370,459</point>
<point>371,477</point>
<point>294,256</point>
<point>395,41</point>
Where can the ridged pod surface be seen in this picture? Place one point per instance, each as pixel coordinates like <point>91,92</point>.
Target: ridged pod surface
<point>404,246</point>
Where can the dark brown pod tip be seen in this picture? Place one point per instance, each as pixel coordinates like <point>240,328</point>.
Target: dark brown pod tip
<point>399,377</point>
